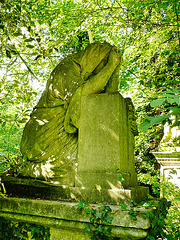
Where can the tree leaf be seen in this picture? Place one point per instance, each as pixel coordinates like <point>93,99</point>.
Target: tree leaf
<point>175,110</point>
<point>8,53</point>
<point>144,126</point>
<point>157,102</point>
<point>29,40</point>
<point>17,34</point>
<point>29,46</point>
<point>159,119</point>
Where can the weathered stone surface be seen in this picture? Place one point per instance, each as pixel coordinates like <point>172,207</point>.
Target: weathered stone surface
<point>105,143</point>
<point>168,155</point>
<point>170,141</point>
<point>30,188</point>
<point>65,218</point>
<point>109,196</point>
<point>50,137</point>
<point>169,168</point>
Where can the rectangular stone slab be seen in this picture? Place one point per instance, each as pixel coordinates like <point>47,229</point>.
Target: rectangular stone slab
<point>105,143</point>
<point>65,219</point>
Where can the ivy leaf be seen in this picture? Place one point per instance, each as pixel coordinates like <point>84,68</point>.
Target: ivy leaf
<point>100,228</point>
<point>98,215</point>
<point>88,211</point>
<point>80,205</point>
<point>88,228</point>
<point>123,207</point>
<point>91,219</point>
<point>108,230</point>
<point>131,211</point>
<point>106,208</point>
<point>121,179</point>
<point>93,211</point>
<point>86,204</point>
<point>134,218</point>
<point>108,219</point>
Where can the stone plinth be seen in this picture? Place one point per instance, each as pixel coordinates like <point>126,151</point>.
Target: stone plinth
<point>169,167</point>
<point>106,142</point>
<point>67,222</point>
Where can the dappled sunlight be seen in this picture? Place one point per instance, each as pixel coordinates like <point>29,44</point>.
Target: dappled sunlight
<point>116,194</point>
<point>98,187</point>
<point>118,185</point>
<point>47,170</point>
<point>36,171</point>
<point>42,122</point>
<point>110,131</point>
<point>79,182</point>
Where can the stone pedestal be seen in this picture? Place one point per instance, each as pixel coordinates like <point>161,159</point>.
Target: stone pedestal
<point>169,167</point>
<point>106,143</point>
<point>67,222</point>
<point>168,155</point>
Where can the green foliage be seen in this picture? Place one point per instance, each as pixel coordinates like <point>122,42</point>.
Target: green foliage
<point>36,35</point>
<point>158,216</point>
<point>23,231</point>
<point>99,219</point>
<point>9,144</point>
<point>172,193</point>
<point>147,167</point>
<point>166,105</point>
<point>122,173</point>
<point>16,100</point>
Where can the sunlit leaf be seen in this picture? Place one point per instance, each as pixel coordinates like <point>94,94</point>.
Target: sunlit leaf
<point>144,126</point>
<point>158,102</point>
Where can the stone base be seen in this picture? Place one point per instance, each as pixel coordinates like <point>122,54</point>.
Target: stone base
<point>67,222</point>
<point>110,196</point>
<point>17,187</point>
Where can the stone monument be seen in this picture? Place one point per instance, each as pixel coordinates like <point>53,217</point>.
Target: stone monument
<point>78,145</point>
<point>81,131</point>
<point>168,155</point>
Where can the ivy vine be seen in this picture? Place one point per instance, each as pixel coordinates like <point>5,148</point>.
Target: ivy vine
<point>22,231</point>
<point>98,217</point>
